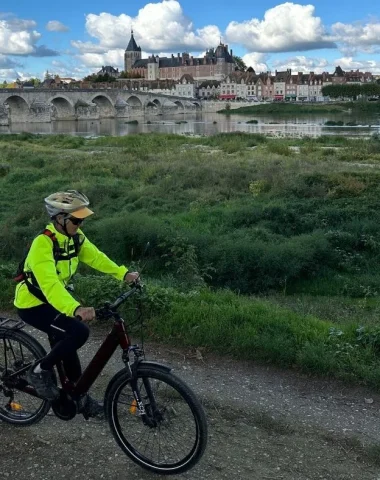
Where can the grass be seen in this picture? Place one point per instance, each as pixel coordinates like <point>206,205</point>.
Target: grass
<point>260,253</point>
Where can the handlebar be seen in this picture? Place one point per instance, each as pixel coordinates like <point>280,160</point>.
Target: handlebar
<point>109,308</point>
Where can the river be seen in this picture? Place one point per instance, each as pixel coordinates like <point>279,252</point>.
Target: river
<point>202,123</point>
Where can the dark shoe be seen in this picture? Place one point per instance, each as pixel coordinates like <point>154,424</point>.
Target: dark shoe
<point>43,383</point>
<point>92,408</point>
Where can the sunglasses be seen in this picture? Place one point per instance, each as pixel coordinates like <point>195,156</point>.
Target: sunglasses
<point>76,221</point>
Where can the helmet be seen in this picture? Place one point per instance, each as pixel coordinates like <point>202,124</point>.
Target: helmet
<point>71,202</point>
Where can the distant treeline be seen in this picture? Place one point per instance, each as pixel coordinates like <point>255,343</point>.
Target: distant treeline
<point>351,90</point>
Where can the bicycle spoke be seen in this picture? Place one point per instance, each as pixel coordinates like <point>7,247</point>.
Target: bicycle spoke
<point>169,439</point>
<point>15,404</point>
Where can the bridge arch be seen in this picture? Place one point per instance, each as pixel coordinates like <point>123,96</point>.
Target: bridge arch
<point>104,104</point>
<point>62,108</point>
<point>134,102</point>
<point>18,107</point>
<point>180,104</point>
<point>152,104</point>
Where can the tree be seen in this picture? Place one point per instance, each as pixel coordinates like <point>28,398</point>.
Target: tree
<point>239,63</point>
<point>36,81</point>
<point>130,75</point>
<point>332,91</point>
<point>351,90</point>
<point>106,78</point>
<point>370,89</point>
<point>341,91</point>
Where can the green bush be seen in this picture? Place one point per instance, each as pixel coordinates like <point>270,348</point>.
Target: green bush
<point>278,148</point>
<point>4,169</point>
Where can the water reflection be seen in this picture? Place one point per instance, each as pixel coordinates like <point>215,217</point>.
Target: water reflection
<point>200,123</point>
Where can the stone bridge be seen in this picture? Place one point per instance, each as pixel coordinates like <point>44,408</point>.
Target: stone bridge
<point>37,105</point>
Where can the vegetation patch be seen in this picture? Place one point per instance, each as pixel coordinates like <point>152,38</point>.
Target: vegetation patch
<point>256,252</point>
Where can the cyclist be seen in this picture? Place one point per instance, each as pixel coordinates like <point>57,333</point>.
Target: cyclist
<point>43,298</point>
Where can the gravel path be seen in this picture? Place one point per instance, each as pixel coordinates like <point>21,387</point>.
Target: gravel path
<point>264,424</point>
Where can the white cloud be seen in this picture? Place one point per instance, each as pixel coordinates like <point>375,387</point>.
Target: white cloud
<point>11,74</point>
<point>257,61</point>
<point>56,26</point>
<point>97,60</point>
<point>300,63</point>
<point>349,63</point>
<point>7,63</point>
<point>88,47</point>
<point>158,27</point>
<point>69,69</point>
<point>7,74</point>
<point>286,27</point>
<point>17,37</point>
<point>357,36</point>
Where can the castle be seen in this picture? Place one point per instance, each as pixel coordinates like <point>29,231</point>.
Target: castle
<point>214,65</point>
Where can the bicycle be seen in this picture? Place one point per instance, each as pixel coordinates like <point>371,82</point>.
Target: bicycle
<point>146,405</point>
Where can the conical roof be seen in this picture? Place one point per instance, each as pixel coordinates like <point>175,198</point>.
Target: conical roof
<point>132,45</point>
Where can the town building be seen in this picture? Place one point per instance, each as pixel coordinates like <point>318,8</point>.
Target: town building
<point>315,87</point>
<point>186,87</point>
<point>110,71</point>
<point>208,89</point>
<point>281,79</point>
<point>239,85</point>
<point>214,65</point>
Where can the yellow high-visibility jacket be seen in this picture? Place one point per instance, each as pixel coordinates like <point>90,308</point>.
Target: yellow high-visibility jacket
<point>53,277</point>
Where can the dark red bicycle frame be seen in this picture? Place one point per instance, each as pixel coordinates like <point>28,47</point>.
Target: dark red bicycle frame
<point>117,336</point>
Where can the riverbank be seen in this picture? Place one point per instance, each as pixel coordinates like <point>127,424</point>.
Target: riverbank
<point>235,221</point>
<point>282,108</point>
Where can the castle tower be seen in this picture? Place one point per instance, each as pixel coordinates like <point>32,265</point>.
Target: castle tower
<point>132,54</point>
<point>153,68</point>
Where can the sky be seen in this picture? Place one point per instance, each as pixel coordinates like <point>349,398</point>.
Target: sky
<point>76,38</point>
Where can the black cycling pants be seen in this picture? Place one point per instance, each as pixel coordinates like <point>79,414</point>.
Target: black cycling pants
<point>66,335</point>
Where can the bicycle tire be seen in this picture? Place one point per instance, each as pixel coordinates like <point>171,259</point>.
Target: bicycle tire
<point>181,396</point>
<point>21,343</point>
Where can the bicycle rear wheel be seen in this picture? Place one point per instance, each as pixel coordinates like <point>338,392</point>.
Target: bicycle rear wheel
<point>17,350</point>
<point>173,435</point>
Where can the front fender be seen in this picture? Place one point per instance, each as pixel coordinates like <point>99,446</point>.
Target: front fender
<point>151,364</point>
<point>141,365</point>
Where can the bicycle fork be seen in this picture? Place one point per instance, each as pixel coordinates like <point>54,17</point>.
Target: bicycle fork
<point>148,411</point>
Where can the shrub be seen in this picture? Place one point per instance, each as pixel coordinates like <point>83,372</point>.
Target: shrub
<point>278,148</point>
<point>345,185</point>
<point>4,169</point>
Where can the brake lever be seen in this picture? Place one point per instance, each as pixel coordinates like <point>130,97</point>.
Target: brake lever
<point>103,312</point>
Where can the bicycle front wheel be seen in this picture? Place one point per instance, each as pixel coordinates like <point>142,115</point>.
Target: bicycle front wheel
<point>172,436</point>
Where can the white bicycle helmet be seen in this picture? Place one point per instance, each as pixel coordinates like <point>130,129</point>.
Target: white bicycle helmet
<point>71,202</point>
